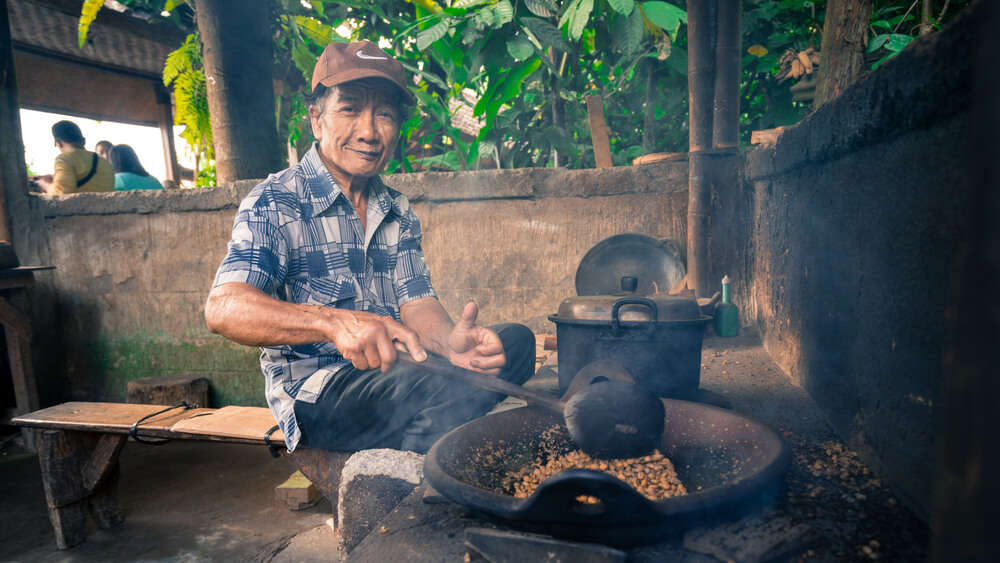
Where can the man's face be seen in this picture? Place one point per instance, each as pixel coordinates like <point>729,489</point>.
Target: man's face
<point>357,131</point>
<point>103,152</point>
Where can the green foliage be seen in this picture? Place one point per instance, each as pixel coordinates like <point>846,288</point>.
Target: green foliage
<point>183,71</point>
<point>88,13</point>
<point>524,68</point>
<point>896,23</point>
<point>777,26</point>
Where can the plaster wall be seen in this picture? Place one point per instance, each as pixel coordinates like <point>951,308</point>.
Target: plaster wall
<point>851,224</point>
<point>134,268</point>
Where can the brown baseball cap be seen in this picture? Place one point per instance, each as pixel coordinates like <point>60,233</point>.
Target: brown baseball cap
<point>344,62</point>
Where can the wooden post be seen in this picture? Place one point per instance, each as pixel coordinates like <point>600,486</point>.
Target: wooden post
<point>237,48</point>
<point>17,332</point>
<point>599,132</point>
<point>167,135</point>
<point>12,172</point>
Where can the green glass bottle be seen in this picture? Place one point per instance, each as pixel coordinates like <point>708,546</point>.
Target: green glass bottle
<point>727,316</point>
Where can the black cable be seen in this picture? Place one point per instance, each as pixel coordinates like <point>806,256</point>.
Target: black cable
<point>133,431</point>
<point>270,446</point>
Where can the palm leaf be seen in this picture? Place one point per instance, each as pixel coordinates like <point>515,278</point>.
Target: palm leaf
<point>88,13</point>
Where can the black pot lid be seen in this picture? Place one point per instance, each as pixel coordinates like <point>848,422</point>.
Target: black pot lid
<point>657,265</point>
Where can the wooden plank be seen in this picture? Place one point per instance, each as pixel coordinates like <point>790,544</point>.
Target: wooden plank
<point>248,423</point>
<point>599,131</point>
<point>63,86</point>
<point>111,418</point>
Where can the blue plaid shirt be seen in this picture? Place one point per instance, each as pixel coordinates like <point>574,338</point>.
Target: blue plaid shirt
<point>296,237</point>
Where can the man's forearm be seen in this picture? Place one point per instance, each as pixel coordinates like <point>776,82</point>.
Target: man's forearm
<point>244,314</point>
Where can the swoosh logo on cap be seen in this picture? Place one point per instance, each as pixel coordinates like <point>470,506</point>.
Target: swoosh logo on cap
<point>371,58</point>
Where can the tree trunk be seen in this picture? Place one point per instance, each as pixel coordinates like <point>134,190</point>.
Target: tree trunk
<point>237,49</point>
<point>843,47</point>
<point>925,17</point>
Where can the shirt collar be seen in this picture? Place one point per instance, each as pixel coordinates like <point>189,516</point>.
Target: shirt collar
<point>322,190</point>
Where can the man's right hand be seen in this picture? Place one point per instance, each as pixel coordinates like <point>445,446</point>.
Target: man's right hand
<point>368,340</point>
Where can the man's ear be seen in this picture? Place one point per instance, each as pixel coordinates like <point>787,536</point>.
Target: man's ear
<point>314,114</point>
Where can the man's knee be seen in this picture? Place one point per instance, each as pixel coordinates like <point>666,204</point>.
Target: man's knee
<point>519,347</point>
<point>517,339</point>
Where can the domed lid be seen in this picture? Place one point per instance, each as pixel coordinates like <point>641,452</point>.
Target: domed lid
<point>657,265</point>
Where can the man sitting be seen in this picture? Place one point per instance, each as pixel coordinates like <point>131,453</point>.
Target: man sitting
<point>76,169</point>
<point>325,271</point>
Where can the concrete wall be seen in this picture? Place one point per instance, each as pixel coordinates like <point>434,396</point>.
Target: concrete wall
<point>133,269</point>
<point>846,232</point>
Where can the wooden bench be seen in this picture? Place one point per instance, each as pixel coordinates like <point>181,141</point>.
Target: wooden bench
<point>79,444</point>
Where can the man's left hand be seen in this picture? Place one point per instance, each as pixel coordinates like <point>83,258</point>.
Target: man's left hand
<point>475,347</point>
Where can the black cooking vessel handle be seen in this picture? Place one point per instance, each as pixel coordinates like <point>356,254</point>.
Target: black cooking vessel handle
<point>616,322</point>
<point>561,499</point>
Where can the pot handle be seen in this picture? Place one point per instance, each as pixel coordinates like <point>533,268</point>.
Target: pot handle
<point>649,303</point>
<point>587,496</point>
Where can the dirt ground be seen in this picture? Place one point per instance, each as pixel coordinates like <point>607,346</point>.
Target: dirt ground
<point>189,501</point>
<point>184,501</point>
<point>850,513</point>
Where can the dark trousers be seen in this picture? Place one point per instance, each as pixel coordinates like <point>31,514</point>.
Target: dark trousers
<point>406,408</point>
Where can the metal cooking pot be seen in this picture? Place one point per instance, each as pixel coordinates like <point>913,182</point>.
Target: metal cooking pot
<point>730,465</point>
<point>657,338</point>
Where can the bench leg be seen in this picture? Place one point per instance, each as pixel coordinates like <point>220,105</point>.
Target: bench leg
<point>104,503</point>
<point>79,471</point>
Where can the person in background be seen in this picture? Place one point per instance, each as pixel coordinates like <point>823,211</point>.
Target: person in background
<point>76,169</point>
<point>129,173</point>
<point>103,149</point>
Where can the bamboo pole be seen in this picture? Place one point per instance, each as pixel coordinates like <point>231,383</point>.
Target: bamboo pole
<point>701,81</point>
<point>726,111</point>
<point>701,72</point>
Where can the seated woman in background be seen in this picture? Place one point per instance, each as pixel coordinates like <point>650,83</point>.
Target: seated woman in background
<point>129,174</point>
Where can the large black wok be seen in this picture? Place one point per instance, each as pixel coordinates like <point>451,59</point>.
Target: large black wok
<point>729,463</point>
